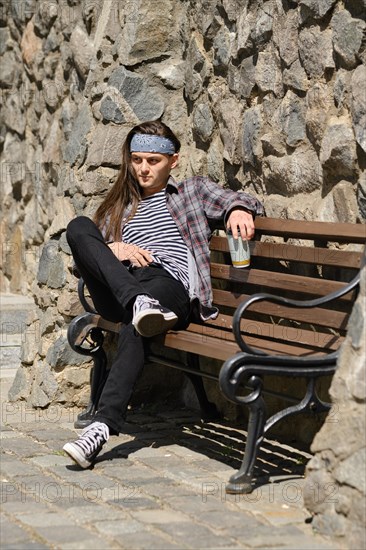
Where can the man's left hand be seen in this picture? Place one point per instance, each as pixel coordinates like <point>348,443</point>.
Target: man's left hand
<point>243,220</point>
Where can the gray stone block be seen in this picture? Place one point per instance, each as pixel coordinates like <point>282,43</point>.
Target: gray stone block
<point>251,133</point>
<point>292,118</point>
<point>358,105</point>
<point>111,111</point>
<point>145,102</point>
<point>203,122</point>
<point>268,74</point>
<point>312,41</point>
<point>60,354</point>
<point>338,149</point>
<point>51,270</point>
<point>315,8</point>
<point>347,37</point>
<point>76,146</point>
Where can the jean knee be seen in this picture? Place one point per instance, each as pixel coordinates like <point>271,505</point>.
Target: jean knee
<point>77,227</point>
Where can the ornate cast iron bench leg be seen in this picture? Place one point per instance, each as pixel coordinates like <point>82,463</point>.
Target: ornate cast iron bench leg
<point>242,481</point>
<point>86,338</point>
<point>230,379</point>
<point>248,369</point>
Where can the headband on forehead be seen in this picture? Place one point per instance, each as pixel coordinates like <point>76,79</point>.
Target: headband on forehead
<point>147,143</point>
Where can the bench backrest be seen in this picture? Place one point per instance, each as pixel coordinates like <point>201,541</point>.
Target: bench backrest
<point>295,259</point>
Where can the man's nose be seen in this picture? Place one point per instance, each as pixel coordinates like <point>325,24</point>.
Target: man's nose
<point>145,166</point>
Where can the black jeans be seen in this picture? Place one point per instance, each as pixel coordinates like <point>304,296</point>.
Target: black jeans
<point>113,288</point>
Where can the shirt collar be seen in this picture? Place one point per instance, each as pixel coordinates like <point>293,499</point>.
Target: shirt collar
<point>172,184</point>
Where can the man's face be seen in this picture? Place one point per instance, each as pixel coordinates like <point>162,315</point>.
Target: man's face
<point>152,170</point>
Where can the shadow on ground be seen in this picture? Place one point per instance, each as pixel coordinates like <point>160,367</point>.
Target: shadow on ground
<point>219,440</point>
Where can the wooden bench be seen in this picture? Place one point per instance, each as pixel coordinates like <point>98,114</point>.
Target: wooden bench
<point>292,307</point>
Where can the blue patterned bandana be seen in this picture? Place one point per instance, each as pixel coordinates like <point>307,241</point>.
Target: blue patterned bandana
<point>147,143</point>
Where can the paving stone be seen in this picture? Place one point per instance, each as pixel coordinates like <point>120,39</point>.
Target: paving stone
<point>12,533</point>
<point>82,478</point>
<point>194,504</point>
<point>21,507</point>
<point>167,489</point>
<point>7,432</point>
<point>153,452</point>
<point>135,503</point>
<point>141,541</point>
<point>287,541</point>
<point>159,516</point>
<point>94,543</point>
<point>22,447</point>
<point>92,512</point>
<point>9,492</point>
<point>64,502</point>
<point>193,535</point>
<point>118,527</point>
<point>44,518</point>
<point>32,488</point>
<point>155,436</point>
<point>212,465</point>
<point>258,535</point>
<point>50,460</point>
<point>162,462</point>
<point>185,453</point>
<point>113,468</point>
<point>58,434</point>
<point>13,467</point>
<point>283,516</point>
<point>127,492</point>
<point>27,545</point>
<point>61,537</point>
<point>226,519</point>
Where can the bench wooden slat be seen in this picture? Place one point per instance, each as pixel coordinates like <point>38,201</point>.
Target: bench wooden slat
<point>319,231</point>
<point>293,253</point>
<point>322,317</point>
<point>211,347</point>
<point>221,328</point>
<point>278,281</point>
<point>223,349</point>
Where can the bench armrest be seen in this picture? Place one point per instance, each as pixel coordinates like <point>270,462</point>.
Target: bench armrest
<point>239,312</point>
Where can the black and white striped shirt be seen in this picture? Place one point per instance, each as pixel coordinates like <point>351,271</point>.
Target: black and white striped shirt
<point>153,229</point>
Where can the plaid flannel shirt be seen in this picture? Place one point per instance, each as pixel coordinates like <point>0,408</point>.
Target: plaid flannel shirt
<point>198,205</point>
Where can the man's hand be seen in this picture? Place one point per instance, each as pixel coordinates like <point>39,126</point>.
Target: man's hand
<point>240,218</point>
<point>137,256</point>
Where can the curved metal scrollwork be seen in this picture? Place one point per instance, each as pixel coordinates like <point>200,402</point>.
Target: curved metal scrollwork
<point>233,375</point>
<point>84,336</point>
<point>286,302</point>
<point>248,369</point>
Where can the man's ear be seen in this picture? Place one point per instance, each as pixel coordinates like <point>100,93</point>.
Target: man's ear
<point>175,160</point>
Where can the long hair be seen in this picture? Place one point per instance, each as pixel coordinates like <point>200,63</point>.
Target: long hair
<point>126,190</point>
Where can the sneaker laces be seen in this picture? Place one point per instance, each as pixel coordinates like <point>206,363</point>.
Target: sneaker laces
<point>93,436</point>
<point>144,302</point>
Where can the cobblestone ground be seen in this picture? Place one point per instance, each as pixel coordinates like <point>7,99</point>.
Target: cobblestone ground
<point>161,485</point>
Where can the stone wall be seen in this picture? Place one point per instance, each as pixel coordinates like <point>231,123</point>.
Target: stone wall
<point>335,489</point>
<point>266,96</point>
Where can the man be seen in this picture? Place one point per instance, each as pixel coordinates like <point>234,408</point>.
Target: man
<point>146,261</point>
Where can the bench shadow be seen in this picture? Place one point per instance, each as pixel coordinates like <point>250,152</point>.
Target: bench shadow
<point>219,440</point>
